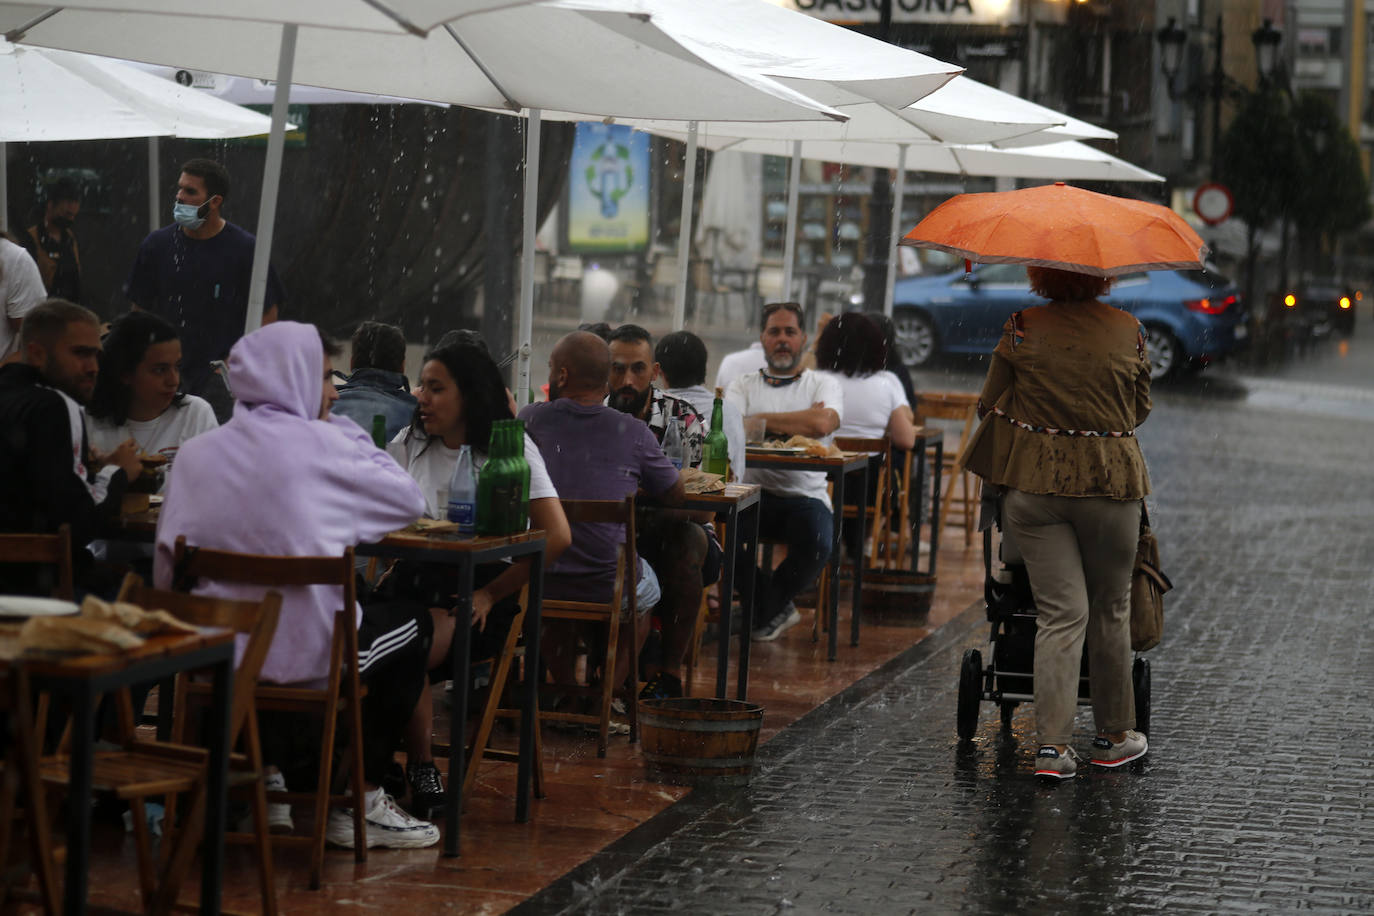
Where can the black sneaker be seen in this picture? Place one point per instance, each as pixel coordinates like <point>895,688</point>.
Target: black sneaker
<point>426,788</point>
<point>662,686</point>
<point>785,619</point>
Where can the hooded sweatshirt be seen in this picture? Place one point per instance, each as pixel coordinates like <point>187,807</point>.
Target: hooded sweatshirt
<point>277,480</point>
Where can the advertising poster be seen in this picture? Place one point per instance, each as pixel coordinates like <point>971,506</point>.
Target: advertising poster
<point>608,189</point>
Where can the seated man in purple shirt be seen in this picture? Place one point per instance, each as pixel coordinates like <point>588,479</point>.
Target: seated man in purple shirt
<point>595,452</point>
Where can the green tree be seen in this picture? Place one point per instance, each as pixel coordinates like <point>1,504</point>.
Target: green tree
<point>1258,161</point>
<point>1331,190</point>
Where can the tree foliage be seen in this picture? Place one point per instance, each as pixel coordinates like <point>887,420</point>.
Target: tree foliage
<point>1259,158</point>
<point>1331,190</point>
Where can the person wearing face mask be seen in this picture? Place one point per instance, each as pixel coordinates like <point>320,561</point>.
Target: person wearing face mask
<point>52,243</point>
<point>196,273</point>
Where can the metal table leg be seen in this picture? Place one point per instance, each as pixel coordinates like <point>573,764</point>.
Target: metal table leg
<point>727,587</point>
<point>859,560</point>
<point>750,574</point>
<point>458,709</point>
<point>529,711</point>
<point>836,526</point>
<point>79,800</point>
<point>216,787</point>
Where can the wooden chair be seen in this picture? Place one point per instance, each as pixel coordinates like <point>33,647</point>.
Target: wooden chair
<point>340,696</point>
<point>20,780</point>
<point>49,549</point>
<point>143,769</point>
<point>610,614</point>
<point>480,747</point>
<point>961,509</point>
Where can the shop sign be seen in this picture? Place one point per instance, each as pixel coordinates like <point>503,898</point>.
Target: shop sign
<point>944,12</point>
<point>608,189</point>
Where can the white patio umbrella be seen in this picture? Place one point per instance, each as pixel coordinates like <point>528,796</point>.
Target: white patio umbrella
<point>62,95</point>
<point>551,56</point>
<point>962,112</point>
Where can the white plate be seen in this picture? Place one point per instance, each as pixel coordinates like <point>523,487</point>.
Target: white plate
<point>765,450</point>
<point>25,606</point>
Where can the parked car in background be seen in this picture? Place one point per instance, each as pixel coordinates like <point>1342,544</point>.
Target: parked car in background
<point>1191,317</point>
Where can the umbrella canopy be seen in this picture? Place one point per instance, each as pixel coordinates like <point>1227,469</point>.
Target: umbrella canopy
<point>1061,226</point>
<point>61,95</point>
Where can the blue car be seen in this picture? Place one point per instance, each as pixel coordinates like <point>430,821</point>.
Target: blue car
<point>1191,317</point>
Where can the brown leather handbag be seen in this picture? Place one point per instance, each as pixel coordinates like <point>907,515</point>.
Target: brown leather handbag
<point>1148,585</point>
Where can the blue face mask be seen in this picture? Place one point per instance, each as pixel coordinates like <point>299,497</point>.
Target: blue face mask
<point>189,216</point>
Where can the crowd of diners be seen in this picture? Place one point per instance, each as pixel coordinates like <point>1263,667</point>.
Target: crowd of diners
<point>295,471</point>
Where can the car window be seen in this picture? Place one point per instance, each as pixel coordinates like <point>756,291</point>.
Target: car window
<point>1209,277</point>
<point>1003,274</point>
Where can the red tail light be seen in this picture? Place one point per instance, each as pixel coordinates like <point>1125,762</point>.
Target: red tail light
<point>1211,306</point>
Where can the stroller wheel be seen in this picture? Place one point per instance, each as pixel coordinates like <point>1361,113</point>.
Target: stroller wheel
<point>1140,684</point>
<point>970,693</point>
<point>1008,710</point>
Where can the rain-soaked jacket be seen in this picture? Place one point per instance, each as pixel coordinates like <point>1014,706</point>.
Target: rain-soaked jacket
<point>1068,385</point>
<point>277,480</point>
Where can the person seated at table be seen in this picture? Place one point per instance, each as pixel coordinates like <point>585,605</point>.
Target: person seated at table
<point>461,396</point>
<point>377,384</point>
<point>852,350</point>
<point>683,552</point>
<point>137,393</point>
<point>681,358</point>
<point>286,477</point>
<point>593,451</point>
<point>795,506</point>
<point>51,474</point>
<point>733,365</point>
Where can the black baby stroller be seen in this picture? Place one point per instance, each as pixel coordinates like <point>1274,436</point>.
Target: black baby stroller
<point>1008,679</point>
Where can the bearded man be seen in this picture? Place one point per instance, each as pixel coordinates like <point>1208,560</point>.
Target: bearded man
<point>795,506</point>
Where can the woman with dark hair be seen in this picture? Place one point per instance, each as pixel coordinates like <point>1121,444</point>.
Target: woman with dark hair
<point>852,349</point>
<point>894,362</point>
<point>1067,386</point>
<point>461,396</point>
<point>136,394</point>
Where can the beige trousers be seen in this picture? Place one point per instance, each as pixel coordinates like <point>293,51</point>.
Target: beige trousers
<point>1079,553</point>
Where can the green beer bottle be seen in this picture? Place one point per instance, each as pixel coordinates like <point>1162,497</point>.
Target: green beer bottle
<point>488,506</point>
<point>715,458</point>
<point>522,471</point>
<point>379,430</point>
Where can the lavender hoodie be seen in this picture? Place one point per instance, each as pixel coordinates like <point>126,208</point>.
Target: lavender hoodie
<point>277,480</point>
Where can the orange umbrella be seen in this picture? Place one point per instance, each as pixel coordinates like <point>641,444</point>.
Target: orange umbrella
<point>1061,226</point>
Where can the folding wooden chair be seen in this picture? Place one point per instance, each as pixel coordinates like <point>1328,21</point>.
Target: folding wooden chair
<point>480,746</point>
<point>53,550</point>
<point>340,697</point>
<point>20,780</point>
<point>961,509</point>
<point>143,769</point>
<point>586,511</point>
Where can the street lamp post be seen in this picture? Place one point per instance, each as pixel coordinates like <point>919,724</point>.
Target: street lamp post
<point>1172,40</point>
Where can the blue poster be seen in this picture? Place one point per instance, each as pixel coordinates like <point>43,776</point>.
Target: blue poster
<point>608,189</point>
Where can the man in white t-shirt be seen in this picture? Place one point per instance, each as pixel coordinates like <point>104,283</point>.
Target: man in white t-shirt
<point>733,365</point>
<point>795,506</point>
<point>21,288</point>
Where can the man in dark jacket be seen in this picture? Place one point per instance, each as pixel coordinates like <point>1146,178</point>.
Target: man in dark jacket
<point>49,474</point>
<point>378,384</point>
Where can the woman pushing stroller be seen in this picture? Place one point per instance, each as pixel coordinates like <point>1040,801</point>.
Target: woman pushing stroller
<point>1068,384</point>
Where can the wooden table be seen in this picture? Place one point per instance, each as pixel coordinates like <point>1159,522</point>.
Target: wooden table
<point>84,678</point>
<point>731,506</point>
<point>465,553</point>
<point>835,470</point>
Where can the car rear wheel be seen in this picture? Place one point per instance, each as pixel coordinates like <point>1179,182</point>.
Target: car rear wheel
<point>1166,354</point>
<point>916,339</point>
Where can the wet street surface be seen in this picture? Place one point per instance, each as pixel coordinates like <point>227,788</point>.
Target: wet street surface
<point>1257,792</point>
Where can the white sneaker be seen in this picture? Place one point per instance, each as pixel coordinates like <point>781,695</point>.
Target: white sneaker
<point>278,813</point>
<point>387,825</point>
<point>785,619</point>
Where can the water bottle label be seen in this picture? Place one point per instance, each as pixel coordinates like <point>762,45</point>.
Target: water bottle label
<point>677,462</point>
<point>463,514</point>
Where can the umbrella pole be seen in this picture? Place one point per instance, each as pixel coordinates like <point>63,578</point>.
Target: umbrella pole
<point>531,217</point>
<point>271,181</point>
<point>154,167</point>
<point>789,244</point>
<point>684,239</point>
<point>898,190</point>
<point>4,187</point>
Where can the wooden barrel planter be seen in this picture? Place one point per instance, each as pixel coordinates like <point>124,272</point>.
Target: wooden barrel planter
<point>693,741</point>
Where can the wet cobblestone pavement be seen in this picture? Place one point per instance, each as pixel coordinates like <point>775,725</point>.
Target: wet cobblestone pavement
<point>1257,792</point>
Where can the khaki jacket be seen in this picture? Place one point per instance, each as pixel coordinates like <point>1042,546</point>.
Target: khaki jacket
<point>1068,385</point>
